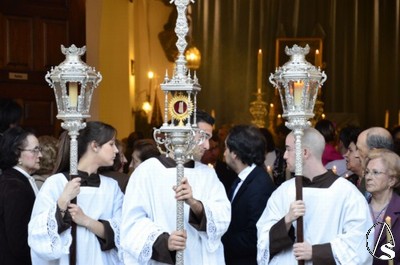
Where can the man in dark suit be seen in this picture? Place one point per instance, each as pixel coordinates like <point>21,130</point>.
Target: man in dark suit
<point>245,154</point>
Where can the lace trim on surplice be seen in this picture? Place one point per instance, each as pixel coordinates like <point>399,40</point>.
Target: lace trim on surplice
<point>147,250</point>
<point>57,245</point>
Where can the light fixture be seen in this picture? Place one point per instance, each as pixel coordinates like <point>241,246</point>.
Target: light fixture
<point>298,82</point>
<point>73,83</point>
<point>146,106</point>
<point>193,58</point>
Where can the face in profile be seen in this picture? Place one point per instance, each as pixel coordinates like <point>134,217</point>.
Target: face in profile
<point>107,153</point>
<point>353,162</point>
<point>205,145</point>
<point>30,155</point>
<point>290,153</point>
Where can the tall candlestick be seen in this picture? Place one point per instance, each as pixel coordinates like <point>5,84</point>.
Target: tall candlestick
<point>387,119</point>
<point>317,58</point>
<point>298,92</point>
<point>73,94</point>
<point>398,123</point>
<point>388,221</point>
<point>259,69</point>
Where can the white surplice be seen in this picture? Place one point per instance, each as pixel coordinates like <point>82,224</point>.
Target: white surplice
<point>149,210</point>
<point>338,215</point>
<point>49,247</point>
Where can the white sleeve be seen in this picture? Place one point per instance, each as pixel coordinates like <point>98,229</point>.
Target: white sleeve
<point>138,231</point>
<point>43,237</point>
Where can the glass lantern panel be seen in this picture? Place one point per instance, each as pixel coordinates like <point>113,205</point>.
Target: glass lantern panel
<point>312,94</point>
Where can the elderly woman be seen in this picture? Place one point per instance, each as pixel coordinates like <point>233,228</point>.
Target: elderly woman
<point>19,157</point>
<point>382,179</point>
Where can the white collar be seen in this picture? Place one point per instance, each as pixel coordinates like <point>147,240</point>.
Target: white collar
<point>246,171</point>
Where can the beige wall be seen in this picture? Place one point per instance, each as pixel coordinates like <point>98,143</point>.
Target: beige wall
<point>118,32</point>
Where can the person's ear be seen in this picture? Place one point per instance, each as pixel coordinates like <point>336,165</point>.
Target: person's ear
<point>94,146</point>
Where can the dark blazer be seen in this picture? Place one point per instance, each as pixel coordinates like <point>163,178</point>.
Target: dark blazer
<point>16,203</point>
<point>240,241</point>
<point>393,211</point>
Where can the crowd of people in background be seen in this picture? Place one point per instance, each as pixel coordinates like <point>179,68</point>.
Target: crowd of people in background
<point>238,193</point>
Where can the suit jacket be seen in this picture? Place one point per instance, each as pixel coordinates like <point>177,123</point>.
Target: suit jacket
<point>240,241</point>
<point>393,211</point>
<point>16,203</point>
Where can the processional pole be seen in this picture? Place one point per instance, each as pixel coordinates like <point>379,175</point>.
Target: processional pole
<point>298,82</point>
<point>179,133</point>
<point>73,83</point>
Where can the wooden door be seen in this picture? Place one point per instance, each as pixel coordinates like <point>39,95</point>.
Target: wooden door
<point>31,34</point>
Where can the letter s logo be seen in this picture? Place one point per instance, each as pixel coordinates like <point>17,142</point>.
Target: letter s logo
<point>387,249</point>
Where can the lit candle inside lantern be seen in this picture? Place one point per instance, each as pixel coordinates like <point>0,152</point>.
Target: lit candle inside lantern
<point>388,221</point>
<point>387,119</point>
<point>298,92</point>
<point>334,169</point>
<point>73,94</point>
<point>259,69</point>
<point>323,116</point>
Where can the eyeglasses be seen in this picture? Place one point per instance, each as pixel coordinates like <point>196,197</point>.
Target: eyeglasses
<point>373,172</point>
<point>35,150</point>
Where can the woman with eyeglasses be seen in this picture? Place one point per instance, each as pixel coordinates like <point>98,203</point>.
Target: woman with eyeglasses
<point>96,212</point>
<point>382,180</point>
<point>19,158</point>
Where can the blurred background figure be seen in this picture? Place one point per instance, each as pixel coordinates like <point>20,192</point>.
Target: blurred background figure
<point>49,147</point>
<point>353,162</point>
<point>213,157</point>
<point>382,179</point>
<point>396,139</point>
<point>143,149</point>
<point>274,163</point>
<point>116,171</point>
<point>20,156</point>
<point>128,143</point>
<point>281,131</point>
<point>346,136</point>
<point>328,130</point>
<point>10,114</point>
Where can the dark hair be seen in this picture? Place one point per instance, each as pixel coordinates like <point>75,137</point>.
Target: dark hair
<point>327,129</point>
<point>247,142</point>
<point>96,131</point>
<point>13,140</point>
<point>202,116</point>
<point>349,134</point>
<point>269,140</point>
<point>10,113</point>
<point>146,148</point>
